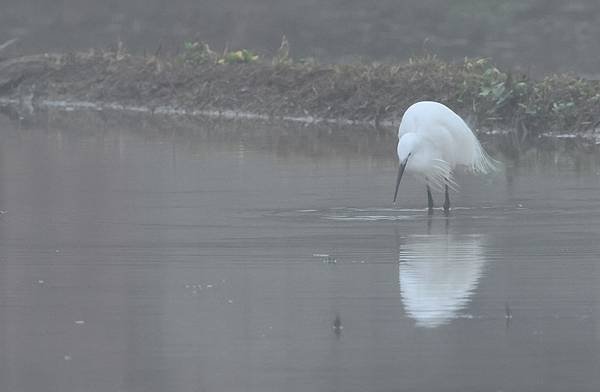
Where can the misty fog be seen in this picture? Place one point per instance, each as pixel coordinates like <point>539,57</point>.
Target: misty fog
<point>533,35</point>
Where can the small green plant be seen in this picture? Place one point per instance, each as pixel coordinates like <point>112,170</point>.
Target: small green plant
<point>561,107</point>
<point>239,56</point>
<point>494,86</point>
<point>196,53</point>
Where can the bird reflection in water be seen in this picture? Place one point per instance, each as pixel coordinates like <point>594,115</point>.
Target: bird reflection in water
<point>438,275</point>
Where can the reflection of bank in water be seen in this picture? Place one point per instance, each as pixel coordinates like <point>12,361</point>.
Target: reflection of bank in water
<point>438,275</point>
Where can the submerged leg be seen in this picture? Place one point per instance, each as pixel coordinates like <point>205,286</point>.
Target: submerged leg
<point>429,200</point>
<point>447,201</point>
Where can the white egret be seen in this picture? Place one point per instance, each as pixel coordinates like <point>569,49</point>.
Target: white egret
<point>433,140</point>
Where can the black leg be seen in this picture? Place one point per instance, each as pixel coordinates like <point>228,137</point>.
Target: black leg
<point>429,200</point>
<point>447,201</point>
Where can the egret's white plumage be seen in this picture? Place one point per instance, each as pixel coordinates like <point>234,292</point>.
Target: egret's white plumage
<point>433,141</point>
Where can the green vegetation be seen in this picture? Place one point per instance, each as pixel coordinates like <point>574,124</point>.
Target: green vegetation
<point>239,56</point>
<point>556,103</point>
<point>559,102</point>
<point>198,53</point>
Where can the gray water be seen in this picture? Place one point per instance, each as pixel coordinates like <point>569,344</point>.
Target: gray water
<point>149,255</point>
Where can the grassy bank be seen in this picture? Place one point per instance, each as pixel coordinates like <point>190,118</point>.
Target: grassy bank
<point>199,78</point>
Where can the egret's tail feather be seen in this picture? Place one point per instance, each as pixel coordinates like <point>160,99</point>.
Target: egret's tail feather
<point>441,175</point>
<point>483,163</point>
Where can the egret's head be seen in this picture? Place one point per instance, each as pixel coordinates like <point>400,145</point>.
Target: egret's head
<point>407,145</point>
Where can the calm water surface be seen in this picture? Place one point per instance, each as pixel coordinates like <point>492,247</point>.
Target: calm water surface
<point>147,257</point>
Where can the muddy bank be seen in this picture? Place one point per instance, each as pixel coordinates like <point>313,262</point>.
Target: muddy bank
<point>366,93</point>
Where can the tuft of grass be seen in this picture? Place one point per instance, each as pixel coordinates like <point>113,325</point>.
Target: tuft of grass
<point>282,56</point>
<point>197,53</point>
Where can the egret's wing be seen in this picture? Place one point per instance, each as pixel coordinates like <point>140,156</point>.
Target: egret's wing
<point>459,145</point>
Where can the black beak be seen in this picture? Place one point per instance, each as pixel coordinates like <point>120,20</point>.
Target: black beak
<point>400,172</point>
